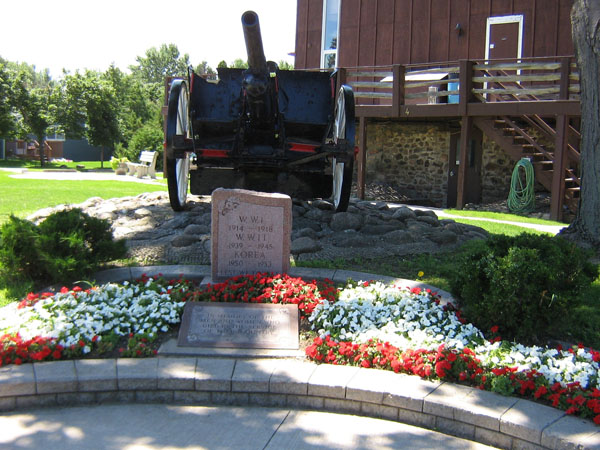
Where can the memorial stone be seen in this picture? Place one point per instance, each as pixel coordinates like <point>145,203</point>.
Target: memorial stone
<point>251,232</point>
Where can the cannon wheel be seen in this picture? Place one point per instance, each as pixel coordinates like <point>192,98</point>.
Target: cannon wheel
<point>343,129</point>
<point>178,163</point>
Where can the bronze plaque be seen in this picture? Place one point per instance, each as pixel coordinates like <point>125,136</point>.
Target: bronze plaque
<point>239,325</point>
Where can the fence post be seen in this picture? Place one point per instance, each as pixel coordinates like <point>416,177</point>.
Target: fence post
<point>341,79</point>
<point>398,73</point>
<point>565,70</point>
<point>362,157</point>
<point>465,80</point>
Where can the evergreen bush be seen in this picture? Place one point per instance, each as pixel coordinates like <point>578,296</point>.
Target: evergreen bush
<point>68,246</point>
<point>523,284</point>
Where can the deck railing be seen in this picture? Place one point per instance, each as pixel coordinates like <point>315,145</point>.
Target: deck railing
<point>383,90</point>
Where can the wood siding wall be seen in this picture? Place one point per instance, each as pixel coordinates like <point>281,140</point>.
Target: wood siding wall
<point>383,32</point>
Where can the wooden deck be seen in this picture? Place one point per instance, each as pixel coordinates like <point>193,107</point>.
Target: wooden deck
<point>506,99</point>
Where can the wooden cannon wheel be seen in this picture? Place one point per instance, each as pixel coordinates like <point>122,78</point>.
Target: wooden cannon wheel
<point>343,130</point>
<point>178,130</point>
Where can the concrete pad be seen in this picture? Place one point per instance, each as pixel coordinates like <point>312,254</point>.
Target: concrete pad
<point>117,275</point>
<point>526,420</point>
<point>176,373</point>
<point>319,430</point>
<point>341,276</point>
<point>17,380</point>
<point>308,273</point>
<point>55,376</point>
<point>408,392</point>
<point>137,373</point>
<point>96,374</point>
<point>291,377</point>
<point>252,375</point>
<point>189,272</point>
<point>214,374</point>
<point>331,381</point>
<point>568,430</point>
<point>147,426</point>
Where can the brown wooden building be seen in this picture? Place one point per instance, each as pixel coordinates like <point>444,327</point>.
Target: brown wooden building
<point>432,76</point>
<point>384,32</point>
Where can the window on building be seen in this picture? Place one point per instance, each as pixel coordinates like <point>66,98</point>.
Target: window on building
<point>331,15</point>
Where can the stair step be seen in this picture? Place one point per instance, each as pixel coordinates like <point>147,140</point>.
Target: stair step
<point>572,180</point>
<point>573,192</point>
<point>546,165</point>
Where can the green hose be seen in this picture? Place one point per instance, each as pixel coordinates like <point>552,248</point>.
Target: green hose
<point>521,198</point>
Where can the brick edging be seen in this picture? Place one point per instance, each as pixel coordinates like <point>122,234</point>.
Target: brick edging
<point>486,417</point>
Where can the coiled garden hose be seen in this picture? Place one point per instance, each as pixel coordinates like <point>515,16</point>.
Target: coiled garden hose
<point>521,197</point>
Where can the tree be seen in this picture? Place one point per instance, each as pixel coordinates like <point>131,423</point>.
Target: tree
<point>585,22</point>
<point>33,96</point>
<point>7,118</point>
<point>204,69</point>
<point>89,109</point>
<point>158,64</point>
<point>135,100</point>
<point>239,63</point>
<point>284,65</point>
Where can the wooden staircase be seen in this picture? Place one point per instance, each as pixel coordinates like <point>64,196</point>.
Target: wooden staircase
<point>515,135</point>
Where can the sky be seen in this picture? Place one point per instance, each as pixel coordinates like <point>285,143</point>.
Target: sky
<point>93,34</point>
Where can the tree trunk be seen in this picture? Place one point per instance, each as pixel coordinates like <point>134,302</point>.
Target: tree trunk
<point>42,143</point>
<point>585,20</point>
<point>102,157</point>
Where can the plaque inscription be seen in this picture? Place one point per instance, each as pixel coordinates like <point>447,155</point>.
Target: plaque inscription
<point>239,325</point>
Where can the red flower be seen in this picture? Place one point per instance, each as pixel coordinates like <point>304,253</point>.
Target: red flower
<point>494,329</point>
<point>540,391</point>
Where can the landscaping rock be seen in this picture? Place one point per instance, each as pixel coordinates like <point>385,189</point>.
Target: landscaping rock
<point>154,233</point>
<point>304,245</point>
<point>346,221</point>
<point>403,213</point>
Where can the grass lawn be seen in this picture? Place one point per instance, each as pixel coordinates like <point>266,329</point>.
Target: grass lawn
<point>501,216</point>
<point>22,197</point>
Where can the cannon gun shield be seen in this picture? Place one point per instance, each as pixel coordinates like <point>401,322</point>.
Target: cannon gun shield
<point>264,129</point>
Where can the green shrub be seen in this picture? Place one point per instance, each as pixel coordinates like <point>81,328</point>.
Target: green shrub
<point>523,284</point>
<point>69,245</point>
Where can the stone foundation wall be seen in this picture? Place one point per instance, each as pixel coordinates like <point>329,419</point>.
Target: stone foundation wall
<point>496,172</point>
<point>414,158</point>
<point>411,156</point>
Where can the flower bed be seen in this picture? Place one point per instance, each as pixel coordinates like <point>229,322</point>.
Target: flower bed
<point>365,324</point>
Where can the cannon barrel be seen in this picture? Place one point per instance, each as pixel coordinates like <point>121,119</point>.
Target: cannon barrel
<point>257,63</point>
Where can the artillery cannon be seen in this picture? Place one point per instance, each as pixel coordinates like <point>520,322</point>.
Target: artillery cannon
<point>262,128</point>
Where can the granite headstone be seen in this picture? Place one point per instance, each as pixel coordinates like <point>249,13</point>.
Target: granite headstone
<point>250,232</point>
